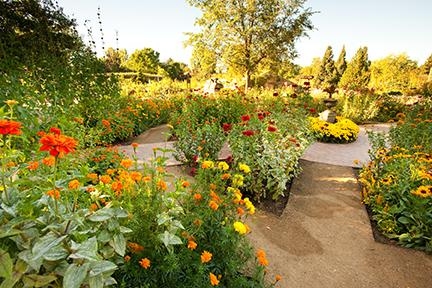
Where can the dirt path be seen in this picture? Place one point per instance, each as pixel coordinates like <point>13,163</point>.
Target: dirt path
<point>324,238</point>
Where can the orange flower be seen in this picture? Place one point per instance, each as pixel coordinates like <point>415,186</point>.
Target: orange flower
<point>135,247</point>
<point>127,258</point>
<point>146,179</point>
<point>48,161</point>
<point>278,277</point>
<point>206,257</point>
<point>225,176</point>
<point>106,123</point>
<point>213,280</point>
<point>213,205</point>
<point>126,163</point>
<point>145,263</point>
<point>110,171</point>
<point>33,165</point>
<point>261,256</point>
<point>197,222</point>
<point>117,186</point>
<point>136,176</point>
<point>105,179</point>
<point>192,245</point>
<point>134,145</point>
<point>57,144</point>
<point>212,186</point>
<point>74,184</point>
<point>93,207</point>
<point>161,185</point>
<point>55,194</point>
<point>9,127</point>
<point>197,196</point>
<point>215,197</point>
<point>160,169</point>
<point>240,211</point>
<point>185,184</point>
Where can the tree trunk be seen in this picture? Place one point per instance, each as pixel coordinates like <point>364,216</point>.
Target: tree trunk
<point>247,82</point>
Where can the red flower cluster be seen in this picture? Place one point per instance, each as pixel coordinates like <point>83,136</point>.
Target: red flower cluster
<point>245,118</point>
<point>271,128</point>
<point>226,127</point>
<point>57,144</point>
<point>9,127</point>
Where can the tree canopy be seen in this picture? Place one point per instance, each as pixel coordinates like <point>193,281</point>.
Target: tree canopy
<point>243,33</point>
<point>327,76</point>
<point>341,63</point>
<point>357,73</point>
<point>144,61</point>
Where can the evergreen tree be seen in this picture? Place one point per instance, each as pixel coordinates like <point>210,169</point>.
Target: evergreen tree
<point>426,67</point>
<point>341,63</point>
<point>357,73</point>
<point>327,76</point>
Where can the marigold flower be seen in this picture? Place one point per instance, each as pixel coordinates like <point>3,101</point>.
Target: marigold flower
<point>74,184</point>
<point>213,280</point>
<point>248,133</point>
<point>249,205</point>
<point>261,257</point>
<point>223,166</point>
<point>10,127</point>
<point>33,165</point>
<point>207,164</point>
<point>92,176</point>
<point>215,197</point>
<point>48,161</point>
<point>238,180</point>
<point>197,196</point>
<point>145,263</point>
<point>192,245</point>
<point>146,179</point>
<point>245,168</point>
<point>117,186</point>
<point>160,169</point>
<point>55,194</point>
<point>135,176</point>
<point>278,277</point>
<point>240,211</point>
<point>213,205</point>
<point>162,185</point>
<point>135,248</point>
<point>225,176</point>
<point>105,179</point>
<point>57,144</point>
<point>106,123</point>
<point>127,258</point>
<point>197,222</point>
<point>126,163</point>
<point>206,257</point>
<point>185,184</point>
<point>239,227</point>
<point>134,145</point>
<point>93,207</point>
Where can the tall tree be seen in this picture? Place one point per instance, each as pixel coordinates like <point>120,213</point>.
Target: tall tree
<point>203,61</point>
<point>427,66</point>
<point>115,60</point>
<point>144,61</point>
<point>34,30</point>
<point>327,76</point>
<point>242,33</point>
<point>341,63</point>
<point>392,74</point>
<point>357,73</point>
<point>174,70</point>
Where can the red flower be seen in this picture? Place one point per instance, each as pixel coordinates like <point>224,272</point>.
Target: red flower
<point>312,110</point>
<point>55,130</point>
<point>261,115</point>
<point>57,144</point>
<point>245,118</point>
<point>248,133</point>
<point>226,127</point>
<point>9,127</point>
<point>271,128</point>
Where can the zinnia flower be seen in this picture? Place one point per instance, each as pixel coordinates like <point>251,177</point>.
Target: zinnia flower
<point>213,280</point>
<point>55,194</point>
<point>9,127</point>
<point>271,128</point>
<point>57,144</point>
<point>206,257</point>
<point>248,133</point>
<point>145,263</point>
<point>33,165</point>
<point>74,184</point>
<point>226,127</point>
<point>213,205</point>
<point>245,118</point>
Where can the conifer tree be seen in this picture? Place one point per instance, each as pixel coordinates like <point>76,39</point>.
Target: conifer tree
<point>341,63</point>
<point>328,75</point>
<point>357,73</point>
<point>426,67</point>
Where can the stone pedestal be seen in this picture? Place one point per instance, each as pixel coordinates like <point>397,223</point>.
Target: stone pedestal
<point>329,115</point>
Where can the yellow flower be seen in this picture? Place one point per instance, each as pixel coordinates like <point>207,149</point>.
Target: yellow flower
<point>207,164</point>
<point>240,227</point>
<point>245,168</point>
<point>126,163</point>
<point>223,166</point>
<point>213,280</point>
<point>423,191</point>
<point>249,205</point>
<point>238,180</point>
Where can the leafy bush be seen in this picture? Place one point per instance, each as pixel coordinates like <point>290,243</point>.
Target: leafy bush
<point>342,131</point>
<point>360,107</point>
<point>271,143</point>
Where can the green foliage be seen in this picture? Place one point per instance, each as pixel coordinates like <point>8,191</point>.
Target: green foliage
<point>341,63</point>
<point>244,33</point>
<point>356,75</point>
<point>392,74</point>
<point>144,61</point>
<point>427,66</point>
<point>327,77</point>
<point>397,184</point>
<point>271,143</point>
<point>115,60</point>
<point>203,61</point>
<point>360,107</point>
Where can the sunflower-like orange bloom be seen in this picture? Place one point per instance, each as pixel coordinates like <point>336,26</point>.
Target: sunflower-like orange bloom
<point>145,263</point>
<point>55,194</point>
<point>9,127</point>
<point>213,280</point>
<point>206,257</point>
<point>192,245</point>
<point>58,144</point>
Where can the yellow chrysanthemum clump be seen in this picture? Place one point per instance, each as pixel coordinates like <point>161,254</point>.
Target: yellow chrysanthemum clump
<point>343,131</point>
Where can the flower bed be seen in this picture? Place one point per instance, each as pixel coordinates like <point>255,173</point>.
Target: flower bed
<point>343,131</point>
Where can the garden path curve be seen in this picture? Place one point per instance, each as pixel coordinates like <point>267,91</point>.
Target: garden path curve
<point>323,238</point>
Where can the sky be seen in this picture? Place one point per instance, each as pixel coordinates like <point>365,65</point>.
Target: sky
<point>386,27</point>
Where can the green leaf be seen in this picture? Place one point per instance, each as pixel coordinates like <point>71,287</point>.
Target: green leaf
<point>56,253</point>
<point>34,280</point>
<point>125,230</point>
<point>101,215</point>
<point>6,265</point>
<point>170,239</point>
<point>44,244</point>
<point>96,282</point>
<point>99,267</point>
<point>75,275</point>
<point>404,220</point>
<point>104,236</point>
<point>118,242</point>
<point>86,250</point>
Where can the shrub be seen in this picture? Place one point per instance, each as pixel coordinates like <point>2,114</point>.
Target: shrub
<point>360,107</point>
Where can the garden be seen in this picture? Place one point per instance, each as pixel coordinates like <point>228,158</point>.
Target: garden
<point>77,212</point>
